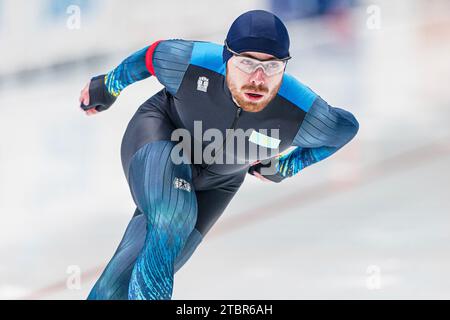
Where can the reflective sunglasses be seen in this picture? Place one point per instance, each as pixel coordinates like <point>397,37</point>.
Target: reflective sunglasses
<point>250,65</point>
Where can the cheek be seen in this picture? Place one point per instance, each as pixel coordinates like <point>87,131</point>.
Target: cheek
<point>275,84</point>
<point>235,80</point>
<point>239,83</point>
<point>271,87</point>
<point>240,79</point>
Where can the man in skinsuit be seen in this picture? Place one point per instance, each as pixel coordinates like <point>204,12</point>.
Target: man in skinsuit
<point>241,85</point>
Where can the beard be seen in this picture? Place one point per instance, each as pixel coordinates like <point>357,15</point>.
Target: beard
<point>252,106</point>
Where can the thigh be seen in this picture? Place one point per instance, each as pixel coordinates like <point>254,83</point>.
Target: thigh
<point>149,123</point>
<point>162,190</point>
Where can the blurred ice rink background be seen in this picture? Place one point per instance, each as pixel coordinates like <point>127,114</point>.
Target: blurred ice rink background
<point>371,222</point>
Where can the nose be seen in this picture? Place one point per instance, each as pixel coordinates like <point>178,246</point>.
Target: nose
<point>258,77</point>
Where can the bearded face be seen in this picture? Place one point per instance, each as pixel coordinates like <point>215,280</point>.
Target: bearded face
<point>252,92</point>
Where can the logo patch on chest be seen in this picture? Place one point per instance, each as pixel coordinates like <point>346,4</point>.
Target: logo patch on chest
<point>202,84</point>
<point>264,140</point>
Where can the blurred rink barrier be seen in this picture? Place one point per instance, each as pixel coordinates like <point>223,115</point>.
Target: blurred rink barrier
<point>49,34</point>
<point>295,9</point>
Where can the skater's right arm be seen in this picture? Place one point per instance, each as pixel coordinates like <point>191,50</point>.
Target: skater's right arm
<point>101,91</point>
<point>167,60</point>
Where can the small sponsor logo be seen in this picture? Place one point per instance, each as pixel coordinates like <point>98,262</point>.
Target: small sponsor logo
<point>181,184</point>
<point>202,84</point>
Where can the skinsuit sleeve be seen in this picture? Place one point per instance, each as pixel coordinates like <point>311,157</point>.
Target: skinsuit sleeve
<point>325,130</point>
<point>167,60</point>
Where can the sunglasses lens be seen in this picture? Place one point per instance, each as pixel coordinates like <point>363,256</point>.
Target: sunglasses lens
<point>249,65</point>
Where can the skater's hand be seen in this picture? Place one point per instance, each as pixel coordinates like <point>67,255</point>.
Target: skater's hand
<point>84,99</point>
<point>257,174</point>
<point>95,97</point>
<point>260,177</point>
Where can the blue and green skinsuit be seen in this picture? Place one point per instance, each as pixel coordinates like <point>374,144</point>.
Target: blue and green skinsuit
<point>177,204</point>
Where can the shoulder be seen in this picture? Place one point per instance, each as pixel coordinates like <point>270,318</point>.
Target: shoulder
<point>297,93</point>
<point>208,55</point>
<point>174,54</point>
<point>169,60</point>
<point>200,53</point>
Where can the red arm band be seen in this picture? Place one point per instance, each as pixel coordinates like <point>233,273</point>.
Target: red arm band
<point>149,57</point>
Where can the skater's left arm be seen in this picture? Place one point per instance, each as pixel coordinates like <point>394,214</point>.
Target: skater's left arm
<point>325,130</point>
